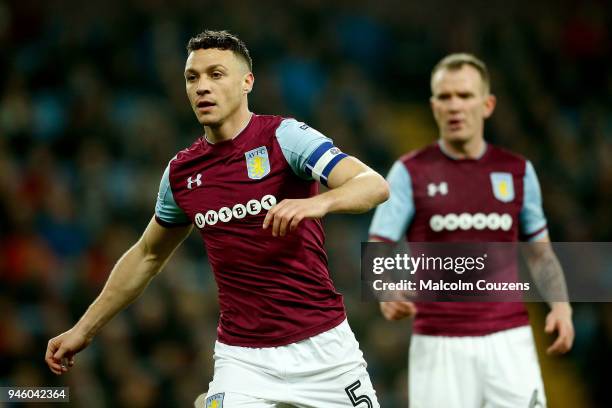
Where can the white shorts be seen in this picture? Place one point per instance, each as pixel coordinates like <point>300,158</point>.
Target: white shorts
<point>326,370</point>
<point>497,370</point>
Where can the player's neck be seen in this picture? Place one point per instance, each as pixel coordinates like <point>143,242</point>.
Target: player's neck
<point>230,128</point>
<point>471,149</point>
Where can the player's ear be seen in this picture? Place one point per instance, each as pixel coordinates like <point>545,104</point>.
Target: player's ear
<point>248,81</point>
<point>489,103</point>
<point>435,107</point>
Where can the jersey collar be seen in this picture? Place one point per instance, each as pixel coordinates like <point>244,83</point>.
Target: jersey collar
<point>235,136</point>
<point>448,154</point>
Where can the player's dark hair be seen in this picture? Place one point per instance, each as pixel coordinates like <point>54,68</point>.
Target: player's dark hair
<point>454,62</point>
<point>221,40</point>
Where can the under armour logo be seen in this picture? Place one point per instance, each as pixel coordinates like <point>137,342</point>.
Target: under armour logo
<point>197,181</point>
<point>433,189</point>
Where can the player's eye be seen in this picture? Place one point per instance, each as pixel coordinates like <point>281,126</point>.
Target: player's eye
<point>443,97</point>
<point>190,78</point>
<point>466,95</point>
<point>217,74</point>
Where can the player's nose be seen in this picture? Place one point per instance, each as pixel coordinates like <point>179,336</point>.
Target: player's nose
<point>203,86</point>
<point>454,104</point>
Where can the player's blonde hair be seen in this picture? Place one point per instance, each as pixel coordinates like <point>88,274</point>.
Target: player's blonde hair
<point>455,61</point>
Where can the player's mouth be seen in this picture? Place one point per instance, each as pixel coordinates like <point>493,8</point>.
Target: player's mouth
<point>455,124</point>
<point>204,106</point>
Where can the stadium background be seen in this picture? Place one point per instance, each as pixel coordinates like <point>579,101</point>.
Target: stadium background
<point>92,106</point>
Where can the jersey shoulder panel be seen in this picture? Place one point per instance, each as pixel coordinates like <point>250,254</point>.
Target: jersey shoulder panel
<point>268,119</point>
<point>532,219</point>
<point>500,154</point>
<point>310,153</point>
<point>391,218</point>
<point>266,124</point>
<point>196,148</point>
<point>426,153</point>
<point>167,211</point>
<point>424,156</point>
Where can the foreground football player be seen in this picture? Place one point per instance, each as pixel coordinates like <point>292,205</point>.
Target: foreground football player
<point>250,187</point>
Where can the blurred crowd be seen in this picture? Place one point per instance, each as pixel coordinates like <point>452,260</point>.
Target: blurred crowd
<point>92,107</point>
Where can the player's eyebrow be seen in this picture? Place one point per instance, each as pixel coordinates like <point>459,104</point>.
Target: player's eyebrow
<point>465,93</point>
<point>208,68</point>
<point>444,94</point>
<point>461,94</point>
<point>215,66</point>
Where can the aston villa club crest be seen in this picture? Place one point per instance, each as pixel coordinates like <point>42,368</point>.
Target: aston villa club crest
<point>215,401</point>
<point>257,162</point>
<point>503,186</point>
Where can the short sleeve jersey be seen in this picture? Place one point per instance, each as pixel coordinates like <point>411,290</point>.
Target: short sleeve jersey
<point>437,198</point>
<point>272,290</point>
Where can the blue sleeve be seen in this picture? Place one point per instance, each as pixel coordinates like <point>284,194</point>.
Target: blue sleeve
<point>392,217</point>
<point>310,154</point>
<point>531,217</point>
<point>167,212</point>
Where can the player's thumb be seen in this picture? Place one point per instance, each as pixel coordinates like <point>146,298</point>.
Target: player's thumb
<point>60,353</point>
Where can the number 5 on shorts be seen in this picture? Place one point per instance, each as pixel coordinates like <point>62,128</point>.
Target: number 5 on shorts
<point>356,400</point>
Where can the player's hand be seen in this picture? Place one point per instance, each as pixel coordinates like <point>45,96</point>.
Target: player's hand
<point>287,215</point>
<point>61,350</point>
<point>397,310</point>
<point>559,320</point>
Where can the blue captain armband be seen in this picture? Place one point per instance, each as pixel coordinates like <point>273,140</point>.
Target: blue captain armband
<point>321,162</point>
<point>310,153</point>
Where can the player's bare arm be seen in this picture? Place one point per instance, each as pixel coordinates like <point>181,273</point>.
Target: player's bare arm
<point>127,280</point>
<point>548,276</point>
<point>354,188</point>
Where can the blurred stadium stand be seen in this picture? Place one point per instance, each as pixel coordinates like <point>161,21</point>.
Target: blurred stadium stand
<point>92,107</point>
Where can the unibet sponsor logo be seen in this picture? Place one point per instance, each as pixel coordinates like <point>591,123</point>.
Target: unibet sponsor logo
<point>466,221</point>
<point>238,211</point>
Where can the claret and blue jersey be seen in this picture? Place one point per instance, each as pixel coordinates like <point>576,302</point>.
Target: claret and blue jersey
<point>272,290</point>
<point>437,198</point>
